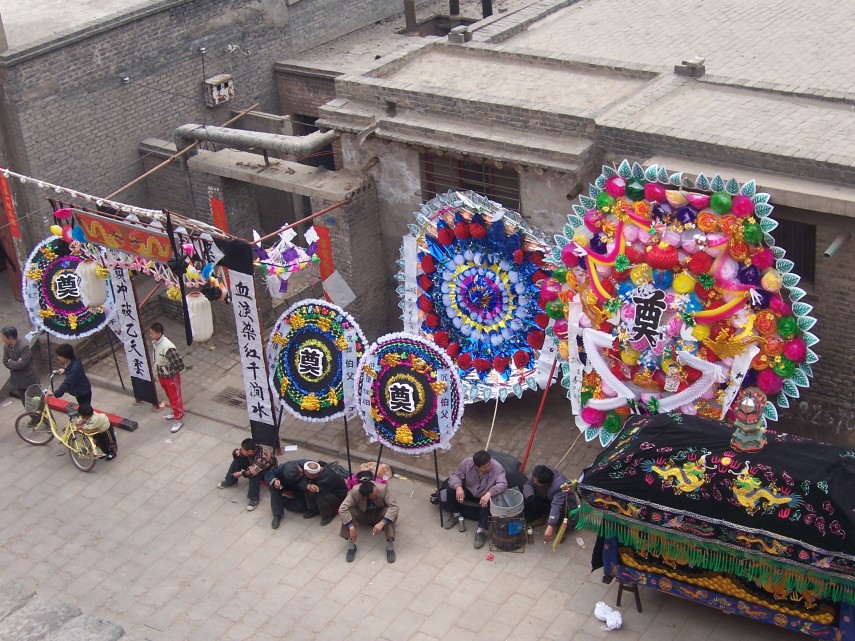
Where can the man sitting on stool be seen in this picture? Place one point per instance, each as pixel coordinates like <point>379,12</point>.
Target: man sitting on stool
<point>323,489</point>
<point>475,481</point>
<point>369,503</point>
<point>284,492</point>
<point>544,499</point>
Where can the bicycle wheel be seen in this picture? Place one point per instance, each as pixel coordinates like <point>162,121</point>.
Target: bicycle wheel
<point>82,450</point>
<point>33,428</point>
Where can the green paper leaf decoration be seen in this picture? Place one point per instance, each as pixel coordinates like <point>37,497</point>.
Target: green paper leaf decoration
<point>624,169</point>
<point>797,293</point>
<point>503,393</point>
<point>800,379</point>
<point>811,357</point>
<point>517,389</point>
<point>637,171</point>
<point>770,411</point>
<point>566,381</point>
<point>761,198</point>
<point>769,239</point>
<point>593,191</point>
<point>662,175</point>
<point>531,383</point>
<point>556,255</point>
<point>791,280</point>
<point>790,389</point>
<point>778,252</point>
<point>560,241</point>
<point>807,369</point>
<point>732,187</point>
<point>591,433</point>
<point>587,203</point>
<point>802,309</point>
<point>580,211</point>
<point>569,230</point>
<point>609,171</point>
<point>676,179</point>
<point>783,401</point>
<point>749,188</point>
<point>717,183</point>
<point>762,210</point>
<point>606,438</point>
<point>806,323</point>
<point>702,182</point>
<point>810,340</point>
<point>651,172</point>
<point>784,266</point>
<point>414,230</point>
<point>768,224</point>
<point>600,182</point>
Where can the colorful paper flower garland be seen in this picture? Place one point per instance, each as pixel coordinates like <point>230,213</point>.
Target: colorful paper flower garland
<point>681,298</point>
<point>409,394</point>
<point>474,279</point>
<point>51,292</point>
<point>313,356</point>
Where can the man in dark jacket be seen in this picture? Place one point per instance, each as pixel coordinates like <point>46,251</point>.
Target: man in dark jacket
<point>18,359</point>
<point>544,498</point>
<point>284,491</point>
<point>249,461</point>
<point>324,491</point>
<point>75,381</point>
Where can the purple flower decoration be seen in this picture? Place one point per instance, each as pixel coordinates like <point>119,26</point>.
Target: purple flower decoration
<point>749,275</point>
<point>687,214</point>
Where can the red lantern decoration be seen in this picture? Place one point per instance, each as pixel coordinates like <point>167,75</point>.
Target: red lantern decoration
<point>521,358</point>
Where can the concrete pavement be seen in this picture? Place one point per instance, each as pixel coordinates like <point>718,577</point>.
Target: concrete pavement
<point>148,542</point>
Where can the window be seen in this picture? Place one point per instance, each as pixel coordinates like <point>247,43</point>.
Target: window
<point>439,174</point>
<point>799,240</point>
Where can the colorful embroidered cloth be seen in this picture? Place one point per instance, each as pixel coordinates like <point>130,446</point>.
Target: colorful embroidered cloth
<point>672,484</point>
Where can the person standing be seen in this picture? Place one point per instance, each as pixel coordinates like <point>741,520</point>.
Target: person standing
<point>18,359</point>
<point>76,381</point>
<point>168,365</point>
<point>372,504</point>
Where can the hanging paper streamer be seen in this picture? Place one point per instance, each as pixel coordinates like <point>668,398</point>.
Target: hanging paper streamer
<point>409,394</point>
<point>472,282</point>
<point>52,296</point>
<point>682,298</point>
<point>279,261</point>
<point>313,355</point>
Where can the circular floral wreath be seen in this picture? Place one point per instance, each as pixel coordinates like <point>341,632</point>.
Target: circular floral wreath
<point>51,292</point>
<point>682,299</point>
<point>409,394</point>
<point>313,354</point>
<point>475,291</point>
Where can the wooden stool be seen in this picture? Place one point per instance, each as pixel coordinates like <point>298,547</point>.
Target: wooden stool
<point>629,587</point>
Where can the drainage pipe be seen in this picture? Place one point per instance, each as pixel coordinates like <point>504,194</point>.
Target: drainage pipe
<point>293,145</point>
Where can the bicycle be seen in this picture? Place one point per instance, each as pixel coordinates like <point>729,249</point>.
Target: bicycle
<point>37,426</point>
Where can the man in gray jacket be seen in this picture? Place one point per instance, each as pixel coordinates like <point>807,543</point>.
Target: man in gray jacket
<point>475,481</point>
<point>18,360</point>
<point>544,498</point>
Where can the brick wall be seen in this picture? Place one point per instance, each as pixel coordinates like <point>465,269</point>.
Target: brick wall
<point>358,256</point>
<point>69,119</point>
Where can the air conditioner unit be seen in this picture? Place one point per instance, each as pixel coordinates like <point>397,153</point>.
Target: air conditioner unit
<point>219,89</point>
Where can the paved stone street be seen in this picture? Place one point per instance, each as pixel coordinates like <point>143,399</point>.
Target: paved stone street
<point>148,542</point>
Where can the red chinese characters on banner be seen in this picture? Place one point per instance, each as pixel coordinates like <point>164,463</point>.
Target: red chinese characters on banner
<point>126,237</point>
<point>9,206</point>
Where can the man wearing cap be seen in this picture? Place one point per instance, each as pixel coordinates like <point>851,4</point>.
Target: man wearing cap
<point>284,490</point>
<point>475,481</point>
<point>372,504</point>
<point>323,489</point>
<point>250,461</point>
